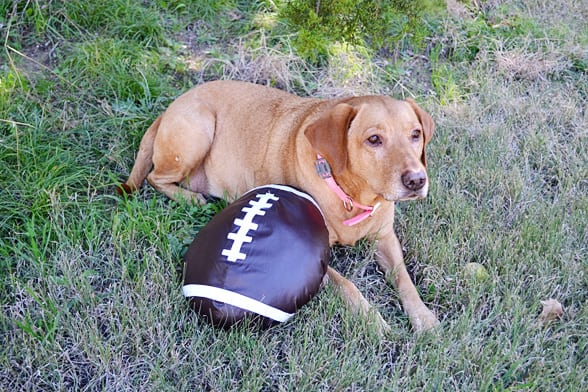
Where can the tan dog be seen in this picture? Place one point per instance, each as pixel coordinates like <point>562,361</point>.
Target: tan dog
<point>223,138</point>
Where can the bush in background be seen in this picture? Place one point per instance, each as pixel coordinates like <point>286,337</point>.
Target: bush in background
<point>371,23</point>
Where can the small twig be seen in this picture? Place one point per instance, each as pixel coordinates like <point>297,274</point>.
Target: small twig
<point>12,122</point>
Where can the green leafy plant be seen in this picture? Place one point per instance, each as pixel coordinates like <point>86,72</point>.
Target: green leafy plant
<point>370,23</point>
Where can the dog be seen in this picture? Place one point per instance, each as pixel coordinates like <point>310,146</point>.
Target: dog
<point>356,156</point>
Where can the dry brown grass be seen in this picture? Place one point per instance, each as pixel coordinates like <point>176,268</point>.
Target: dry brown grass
<point>524,64</point>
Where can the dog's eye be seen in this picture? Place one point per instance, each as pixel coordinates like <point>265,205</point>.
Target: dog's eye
<point>374,140</point>
<point>416,135</point>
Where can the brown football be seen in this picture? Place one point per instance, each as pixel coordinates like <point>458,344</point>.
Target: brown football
<point>263,257</point>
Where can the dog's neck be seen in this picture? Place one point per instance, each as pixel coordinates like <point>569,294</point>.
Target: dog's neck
<point>324,171</point>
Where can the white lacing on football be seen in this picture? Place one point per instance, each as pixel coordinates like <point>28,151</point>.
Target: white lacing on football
<point>246,224</point>
<point>291,190</point>
<point>235,299</point>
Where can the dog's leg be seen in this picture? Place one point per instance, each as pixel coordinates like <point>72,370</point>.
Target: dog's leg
<point>389,258</point>
<point>166,183</point>
<point>181,145</point>
<point>355,300</point>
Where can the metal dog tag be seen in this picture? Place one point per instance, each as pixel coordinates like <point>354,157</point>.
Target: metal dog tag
<point>322,168</point>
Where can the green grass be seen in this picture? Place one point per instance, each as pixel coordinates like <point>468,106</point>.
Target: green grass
<point>90,284</point>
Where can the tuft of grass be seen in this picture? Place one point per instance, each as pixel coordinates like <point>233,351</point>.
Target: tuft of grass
<point>116,68</point>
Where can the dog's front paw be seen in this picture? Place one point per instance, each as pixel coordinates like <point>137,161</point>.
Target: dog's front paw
<point>423,320</point>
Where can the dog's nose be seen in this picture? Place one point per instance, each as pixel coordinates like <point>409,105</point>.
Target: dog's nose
<point>414,180</point>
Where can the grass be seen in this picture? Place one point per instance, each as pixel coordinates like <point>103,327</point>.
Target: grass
<point>90,283</point>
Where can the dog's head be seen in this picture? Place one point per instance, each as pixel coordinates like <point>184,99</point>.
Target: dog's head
<point>376,142</point>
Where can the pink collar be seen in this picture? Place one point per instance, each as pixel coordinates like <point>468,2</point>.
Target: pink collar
<point>324,171</point>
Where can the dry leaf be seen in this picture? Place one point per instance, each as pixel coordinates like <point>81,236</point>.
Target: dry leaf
<point>552,310</point>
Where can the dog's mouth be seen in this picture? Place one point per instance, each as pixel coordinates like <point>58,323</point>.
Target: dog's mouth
<point>414,196</point>
<point>404,196</point>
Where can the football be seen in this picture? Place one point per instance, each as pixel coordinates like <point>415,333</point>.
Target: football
<point>263,257</point>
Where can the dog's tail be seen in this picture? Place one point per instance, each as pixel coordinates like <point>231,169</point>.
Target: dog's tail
<point>143,163</point>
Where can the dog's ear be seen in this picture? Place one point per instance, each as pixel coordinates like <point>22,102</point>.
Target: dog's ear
<point>428,126</point>
<point>328,135</point>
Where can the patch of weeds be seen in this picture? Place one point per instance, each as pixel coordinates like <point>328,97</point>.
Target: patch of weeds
<point>206,10</point>
<point>444,79</point>
<point>122,19</point>
<point>111,67</point>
